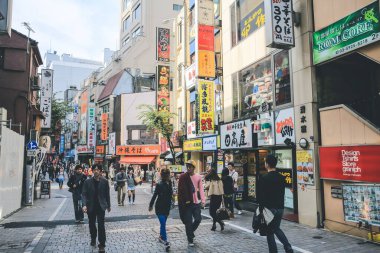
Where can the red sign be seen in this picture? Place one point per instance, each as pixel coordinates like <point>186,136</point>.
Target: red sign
<point>99,149</point>
<point>350,163</point>
<point>138,150</point>
<point>206,37</point>
<point>163,44</point>
<point>104,132</point>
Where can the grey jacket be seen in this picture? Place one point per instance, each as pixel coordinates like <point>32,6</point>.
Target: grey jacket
<point>88,192</point>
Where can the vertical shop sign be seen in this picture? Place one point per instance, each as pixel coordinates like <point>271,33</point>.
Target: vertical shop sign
<point>205,12</point>
<point>112,144</point>
<point>83,118</point>
<point>253,21</point>
<point>284,123</point>
<point>91,140</point>
<point>205,37</point>
<point>191,130</point>
<point>236,135</point>
<point>279,23</point>
<point>46,96</point>
<point>206,63</point>
<point>303,119</point>
<point>305,167</point>
<point>104,132</point>
<point>62,144</point>
<point>163,44</point>
<point>206,106</point>
<point>163,77</point>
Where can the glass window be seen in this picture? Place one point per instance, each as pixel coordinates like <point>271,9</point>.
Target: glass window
<point>127,23</point>
<point>179,33</point>
<point>235,97</point>
<point>126,40</point>
<point>256,88</point>
<point>136,32</point>
<point>282,78</point>
<point>135,134</point>
<point>137,12</point>
<point>177,7</point>
<point>127,3</point>
<point>147,135</point>
<point>233,25</point>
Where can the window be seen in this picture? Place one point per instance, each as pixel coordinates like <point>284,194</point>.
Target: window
<point>177,7</point>
<point>127,3</point>
<point>282,78</point>
<point>136,32</point>
<point>127,23</point>
<point>135,134</point>
<point>233,25</point>
<point>105,108</point>
<point>147,135</point>
<point>235,97</point>
<point>179,33</point>
<point>126,40</point>
<point>193,105</point>
<point>179,76</point>
<point>137,12</point>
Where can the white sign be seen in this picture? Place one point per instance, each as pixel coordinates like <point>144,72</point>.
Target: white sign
<point>31,152</point>
<point>91,138</point>
<point>46,96</point>
<point>209,143</point>
<point>190,76</point>
<point>279,24</point>
<point>205,12</point>
<point>112,143</point>
<point>284,126</point>
<point>236,135</point>
<point>265,135</point>
<point>83,149</point>
<point>191,130</point>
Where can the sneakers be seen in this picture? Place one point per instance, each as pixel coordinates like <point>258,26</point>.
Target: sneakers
<point>191,243</point>
<point>240,212</point>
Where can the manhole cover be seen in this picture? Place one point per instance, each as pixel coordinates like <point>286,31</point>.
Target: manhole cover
<point>317,237</point>
<point>13,245</point>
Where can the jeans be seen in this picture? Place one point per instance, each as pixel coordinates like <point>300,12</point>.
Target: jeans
<point>191,211</point>
<point>121,191</point>
<point>78,209</point>
<point>97,214</point>
<point>275,227</point>
<point>236,204</point>
<point>163,218</point>
<point>229,202</point>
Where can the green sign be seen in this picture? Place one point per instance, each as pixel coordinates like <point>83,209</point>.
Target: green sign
<point>359,29</point>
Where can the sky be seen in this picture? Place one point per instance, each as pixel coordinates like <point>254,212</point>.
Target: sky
<point>82,28</point>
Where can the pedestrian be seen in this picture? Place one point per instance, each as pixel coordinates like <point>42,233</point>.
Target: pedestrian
<point>235,175</point>
<point>190,200</point>
<point>111,172</point>
<point>228,188</point>
<point>164,192</point>
<point>61,178</point>
<point>271,191</point>
<point>215,192</point>
<point>75,185</point>
<point>121,178</point>
<point>96,200</point>
<point>131,187</point>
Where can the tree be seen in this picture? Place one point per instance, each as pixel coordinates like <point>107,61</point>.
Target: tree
<point>59,110</point>
<point>159,122</point>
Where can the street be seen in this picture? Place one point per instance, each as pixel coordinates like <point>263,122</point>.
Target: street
<point>48,226</point>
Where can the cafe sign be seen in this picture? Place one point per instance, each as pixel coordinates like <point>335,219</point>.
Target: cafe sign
<point>138,150</point>
<point>354,31</point>
<point>236,135</point>
<point>192,145</point>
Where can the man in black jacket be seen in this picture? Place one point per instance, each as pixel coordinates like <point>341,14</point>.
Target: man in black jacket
<point>271,191</point>
<point>96,200</point>
<point>75,184</point>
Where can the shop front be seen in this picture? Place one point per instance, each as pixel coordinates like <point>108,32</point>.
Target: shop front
<point>85,154</point>
<point>138,156</point>
<point>203,151</point>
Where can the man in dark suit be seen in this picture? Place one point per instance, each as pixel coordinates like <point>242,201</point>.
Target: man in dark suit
<point>96,200</point>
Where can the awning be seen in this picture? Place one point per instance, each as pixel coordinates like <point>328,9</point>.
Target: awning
<point>137,159</point>
<point>169,156</point>
<point>164,154</point>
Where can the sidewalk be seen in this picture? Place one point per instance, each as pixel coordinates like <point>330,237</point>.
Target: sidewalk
<point>48,226</point>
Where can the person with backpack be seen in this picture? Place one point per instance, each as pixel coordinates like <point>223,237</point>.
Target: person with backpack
<point>270,195</point>
<point>121,178</point>
<point>131,187</point>
<point>75,185</point>
<point>163,193</point>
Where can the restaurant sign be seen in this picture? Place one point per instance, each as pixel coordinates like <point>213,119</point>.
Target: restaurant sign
<point>138,150</point>
<point>236,135</point>
<point>253,21</point>
<point>206,106</point>
<point>163,96</point>
<point>348,34</point>
<point>192,145</point>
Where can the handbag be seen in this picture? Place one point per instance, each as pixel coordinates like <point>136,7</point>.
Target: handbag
<point>259,223</point>
<point>223,213</point>
<point>115,186</point>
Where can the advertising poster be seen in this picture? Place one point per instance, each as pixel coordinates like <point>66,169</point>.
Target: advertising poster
<point>112,144</point>
<point>210,143</point>
<point>91,138</point>
<point>206,106</point>
<point>104,131</point>
<point>356,30</point>
<point>191,130</point>
<point>305,167</point>
<point>264,129</point>
<point>163,95</point>
<point>236,135</point>
<point>163,44</point>
<point>206,63</point>
<point>253,21</point>
<point>46,96</point>
<point>284,126</point>
<point>361,202</point>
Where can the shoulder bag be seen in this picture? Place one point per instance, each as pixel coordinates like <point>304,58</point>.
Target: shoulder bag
<point>223,213</point>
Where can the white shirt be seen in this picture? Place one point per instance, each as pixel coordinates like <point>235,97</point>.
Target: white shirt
<point>234,176</point>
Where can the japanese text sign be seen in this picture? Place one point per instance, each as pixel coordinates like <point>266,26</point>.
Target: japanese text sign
<point>46,96</point>
<point>163,95</point>
<point>305,167</point>
<point>104,132</point>
<point>206,37</point>
<point>205,12</point>
<point>138,150</point>
<point>163,44</point>
<point>91,138</point>
<point>284,123</point>
<point>192,145</point>
<point>206,63</point>
<point>190,76</point>
<point>253,21</point>
<point>288,174</point>
<point>112,144</point>
<point>99,149</point>
<point>279,23</point>
<point>236,135</point>
<point>206,106</point>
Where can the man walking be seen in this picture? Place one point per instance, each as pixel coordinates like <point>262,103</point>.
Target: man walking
<point>235,176</point>
<point>121,178</point>
<point>96,200</point>
<point>75,185</point>
<point>271,191</point>
<point>190,199</point>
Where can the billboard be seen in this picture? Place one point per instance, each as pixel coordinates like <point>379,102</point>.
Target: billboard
<point>163,44</point>
<point>112,144</point>
<point>163,95</point>
<point>46,96</point>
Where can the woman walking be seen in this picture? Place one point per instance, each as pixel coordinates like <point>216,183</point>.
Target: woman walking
<point>215,192</point>
<point>131,187</point>
<point>61,178</point>
<point>164,192</point>
<point>228,187</point>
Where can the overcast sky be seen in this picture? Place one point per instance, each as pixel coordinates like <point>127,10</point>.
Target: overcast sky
<point>82,28</point>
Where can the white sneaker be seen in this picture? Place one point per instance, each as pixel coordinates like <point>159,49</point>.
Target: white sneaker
<point>191,244</point>
<point>239,212</point>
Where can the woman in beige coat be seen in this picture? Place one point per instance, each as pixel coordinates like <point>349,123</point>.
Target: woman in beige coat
<point>215,192</point>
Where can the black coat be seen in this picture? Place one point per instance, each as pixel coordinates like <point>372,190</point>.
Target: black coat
<point>228,185</point>
<point>164,192</point>
<point>88,194</point>
<point>78,181</point>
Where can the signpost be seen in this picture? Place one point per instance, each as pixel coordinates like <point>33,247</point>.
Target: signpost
<point>32,145</point>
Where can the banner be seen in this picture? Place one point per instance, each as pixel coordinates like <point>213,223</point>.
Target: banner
<point>205,12</point>
<point>163,95</point>
<point>138,150</point>
<point>206,63</point>
<point>236,135</point>
<point>206,106</point>
<point>163,44</point>
<point>192,145</point>
<point>112,143</point>
<point>91,139</point>
<point>46,96</point>
<point>104,132</point>
<point>356,30</point>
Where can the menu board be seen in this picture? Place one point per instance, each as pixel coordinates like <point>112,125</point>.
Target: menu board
<point>305,167</point>
<point>252,186</point>
<point>361,202</point>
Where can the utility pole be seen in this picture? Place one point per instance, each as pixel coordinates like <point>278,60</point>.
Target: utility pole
<point>27,26</point>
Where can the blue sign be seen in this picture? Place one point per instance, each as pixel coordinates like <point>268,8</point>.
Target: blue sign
<point>32,145</point>
<point>62,144</point>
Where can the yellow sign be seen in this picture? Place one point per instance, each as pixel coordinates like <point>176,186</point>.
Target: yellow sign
<point>175,168</point>
<point>192,145</point>
<point>206,63</point>
<point>206,106</point>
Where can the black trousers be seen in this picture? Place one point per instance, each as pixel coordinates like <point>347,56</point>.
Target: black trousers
<point>190,212</point>
<point>97,214</point>
<point>215,202</point>
<point>78,209</point>
<point>229,202</point>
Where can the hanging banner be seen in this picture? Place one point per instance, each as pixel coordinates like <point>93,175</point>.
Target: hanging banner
<point>91,139</point>
<point>206,106</point>
<point>279,25</point>
<point>205,37</point>
<point>138,150</point>
<point>284,123</point>
<point>163,44</point>
<point>206,63</point>
<point>205,12</point>
<point>236,135</point>
<point>104,132</point>
<point>112,143</point>
<point>356,30</point>
<point>62,144</point>
<point>253,21</point>
<point>46,96</point>
<point>163,95</point>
